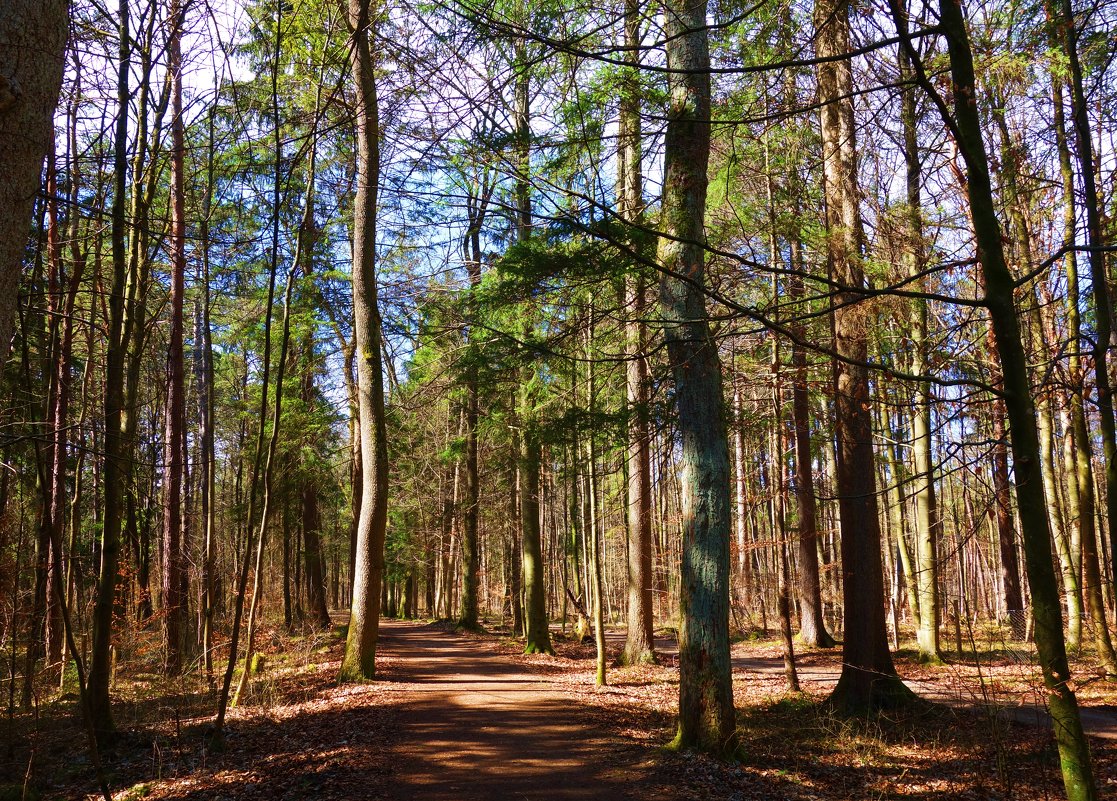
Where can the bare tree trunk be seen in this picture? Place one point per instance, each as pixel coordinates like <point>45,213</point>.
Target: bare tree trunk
<point>639,644</point>
<point>593,540</point>
<point>311,518</point>
<point>515,552</point>
<point>32,53</point>
<point>707,719</point>
<point>927,523</point>
<point>965,126</point>
<point>115,467</point>
<point>359,662</point>
<point>1006,529</point>
<point>1066,30</point>
<point>204,376</point>
<point>174,562</point>
<point>868,679</point>
<point>477,206</point>
<point>812,625</point>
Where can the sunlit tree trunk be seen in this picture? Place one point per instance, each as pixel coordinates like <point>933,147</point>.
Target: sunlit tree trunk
<point>639,643</point>
<point>1061,12</point>
<point>965,125</point>
<point>812,625</point>
<point>927,524</point>
<point>707,719</point>
<point>594,540</point>
<point>868,679</point>
<point>359,661</point>
<point>536,630</point>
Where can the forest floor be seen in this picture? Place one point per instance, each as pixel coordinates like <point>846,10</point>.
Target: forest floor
<point>456,715</point>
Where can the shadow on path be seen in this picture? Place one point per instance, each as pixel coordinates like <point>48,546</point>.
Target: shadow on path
<point>479,726</point>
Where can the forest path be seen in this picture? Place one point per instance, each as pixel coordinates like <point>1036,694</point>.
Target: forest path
<point>476,725</point>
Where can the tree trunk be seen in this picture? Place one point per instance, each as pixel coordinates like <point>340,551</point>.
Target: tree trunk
<point>537,633</point>
<point>868,679</point>
<point>639,646</point>
<point>594,541</point>
<point>359,662</point>
<point>311,518</point>
<point>174,560</point>
<point>1063,17</point>
<point>33,37</point>
<point>203,368</point>
<point>469,617</point>
<point>115,454</point>
<point>927,523</point>
<point>812,625</point>
<point>1074,750</point>
<point>707,719</point>
<point>1006,530</point>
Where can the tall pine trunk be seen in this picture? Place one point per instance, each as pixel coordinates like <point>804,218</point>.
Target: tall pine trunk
<point>812,625</point>
<point>174,559</point>
<point>639,643</point>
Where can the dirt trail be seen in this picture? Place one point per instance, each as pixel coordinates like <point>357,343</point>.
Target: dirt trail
<point>476,725</point>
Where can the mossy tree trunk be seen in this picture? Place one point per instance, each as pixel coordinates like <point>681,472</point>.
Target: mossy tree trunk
<point>965,126</point>
<point>359,661</point>
<point>707,719</point>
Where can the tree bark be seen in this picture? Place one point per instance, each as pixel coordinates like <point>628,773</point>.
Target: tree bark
<point>868,679</point>
<point>707,719</point>
<point>812,624</point>
<point>311,517</point>
<point>32,53</point>
<point>965,126</point>
<point>639,646</point>
<point>115,455</point>
<point>927,524</point>
<point>1006,529</point>
<point>359,662</point>
<point>174,562</point>
<point>471,247</point>
<point>1063,17</point>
